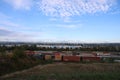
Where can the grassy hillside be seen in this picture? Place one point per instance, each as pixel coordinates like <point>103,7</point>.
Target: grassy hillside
<point>16,60</point>
<point>70,71</point>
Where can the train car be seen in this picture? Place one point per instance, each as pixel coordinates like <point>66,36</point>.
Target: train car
<point>71,58</point>
<point>48,57</point>
<point>57,56</point>
<point>90,59</point>
<point>29,53</point>
<point>39,56</point>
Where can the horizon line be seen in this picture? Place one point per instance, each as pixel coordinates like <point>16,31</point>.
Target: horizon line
<point>64,41</point>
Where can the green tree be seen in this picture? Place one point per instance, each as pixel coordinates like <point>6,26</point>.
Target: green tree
<point>18,52</point>
<point>2,51</point>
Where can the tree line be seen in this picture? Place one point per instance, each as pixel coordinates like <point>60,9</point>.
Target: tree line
<point>33,47</point>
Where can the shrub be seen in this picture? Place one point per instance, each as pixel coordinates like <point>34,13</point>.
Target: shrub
<point>18,53</point>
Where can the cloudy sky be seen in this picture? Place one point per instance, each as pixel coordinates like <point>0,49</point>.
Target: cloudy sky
<point>60,20</point>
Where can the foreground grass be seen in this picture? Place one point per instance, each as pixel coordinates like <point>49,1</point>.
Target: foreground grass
<point>71,71</point>
<point>71,76</point>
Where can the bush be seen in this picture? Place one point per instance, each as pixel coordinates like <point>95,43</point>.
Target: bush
<point>18,53</point>
<point>18,61</point>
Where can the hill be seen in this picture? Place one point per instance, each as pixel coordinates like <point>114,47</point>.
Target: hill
<point>69,71</point>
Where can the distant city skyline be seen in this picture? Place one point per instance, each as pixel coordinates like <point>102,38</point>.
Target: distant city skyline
<point>60,20</point>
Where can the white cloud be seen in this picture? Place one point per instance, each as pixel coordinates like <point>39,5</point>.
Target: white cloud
<point>66,8</point>
<point>5,21</point>
<point>9,35</point>
<point>116,12</point>
<point>69,25</point>
<point>20,4</point>
<point>3,16</point>
<point>4,32</point>
<point>8,23</point>
<point>65,25</point>
<point>12,31</point>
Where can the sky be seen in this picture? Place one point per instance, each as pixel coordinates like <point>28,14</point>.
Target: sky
<point>60,20</point>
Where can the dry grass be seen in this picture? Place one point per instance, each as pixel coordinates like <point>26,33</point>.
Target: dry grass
<point>71,71</point>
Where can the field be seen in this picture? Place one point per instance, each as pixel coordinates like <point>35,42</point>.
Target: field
<point>69,71</point>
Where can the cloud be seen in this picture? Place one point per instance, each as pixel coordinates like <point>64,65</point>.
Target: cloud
<point>4,32</point>
<point>20,4</point>
<point>116,12</point>
<point>3,16</point>
<point>66,8</point>
<point>8,23</point>
<point>69,25</point>
<point>8,35</point>
<point>63,25</point>
<point>11,31</point>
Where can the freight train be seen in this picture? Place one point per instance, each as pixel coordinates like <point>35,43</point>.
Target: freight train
<point>72,58</point>
<point>69,58</point>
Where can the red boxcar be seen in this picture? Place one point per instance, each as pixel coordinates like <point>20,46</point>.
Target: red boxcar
<point>71,58</point>
<point>91,58</point>
<point>30,53</point>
